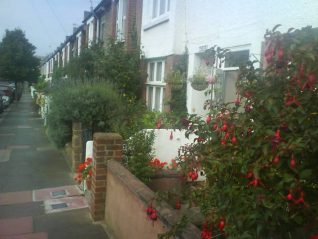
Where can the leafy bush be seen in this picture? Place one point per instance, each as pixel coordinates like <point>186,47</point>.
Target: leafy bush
<point>93,103</point>
<point>138,154</point>
<point>260,151</point>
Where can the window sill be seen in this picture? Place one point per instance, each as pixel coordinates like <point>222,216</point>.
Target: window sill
<point>156,83</point>
<point>155,22</point>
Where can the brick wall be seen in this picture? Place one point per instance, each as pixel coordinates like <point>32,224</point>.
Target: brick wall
<point>107,146</point>
<point>77,146</point>
<point>126,201</point>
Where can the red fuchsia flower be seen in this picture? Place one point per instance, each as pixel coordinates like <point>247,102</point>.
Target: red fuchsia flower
<point>158,124</point>
<point>301,70</point>
<point>280,54</point>
<point>234,140</point>
<point>248,108</point>
<point>193,175</point>
<point>206,231</point>
<point>293,162</point>
<point>89,160</point>
<point>314,237</point>
<point>291,100</point>
<point>248,94</point>
<point>310,83</point>
<point>276,138</point>
<point>215,126</point>
<point>222,224</point>
<point>81,167</point>
<point>156,163</point>
<point>255,182</point>
<point>208,119</point>
<point>269,53</point>
<point>276,160</point>
<point>237,101</point>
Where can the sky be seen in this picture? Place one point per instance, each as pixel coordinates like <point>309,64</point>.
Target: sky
<point>45,23</point>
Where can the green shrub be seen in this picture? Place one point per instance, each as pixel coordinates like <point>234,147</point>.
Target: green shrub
<point>93,103</point>
<point>138,154</point>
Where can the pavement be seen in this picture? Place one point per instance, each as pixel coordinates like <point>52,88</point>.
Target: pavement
<point>38,196</point>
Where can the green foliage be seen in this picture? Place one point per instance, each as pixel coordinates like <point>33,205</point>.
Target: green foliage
<point>178,81</point>
<point>93,103</point>
<point>17,60</point>
<point>261,164</point>
<point>112,63</point>
<point>138,154</point>
<point>123,69</point>
<point>87,64</point>
<point>41,85</point>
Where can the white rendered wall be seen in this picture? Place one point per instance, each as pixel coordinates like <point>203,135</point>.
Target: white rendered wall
<point>167,37</point>
<point>165,148</point>
<point>243,23</point>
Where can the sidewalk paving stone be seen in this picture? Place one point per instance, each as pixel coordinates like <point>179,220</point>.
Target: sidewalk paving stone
<point>15,197</point>
<point>40,235</point>
<point>16,226</point>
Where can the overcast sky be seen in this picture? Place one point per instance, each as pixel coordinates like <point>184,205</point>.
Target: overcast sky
<point>46,23</point>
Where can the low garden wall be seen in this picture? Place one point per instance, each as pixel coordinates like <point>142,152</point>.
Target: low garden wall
<point>120,200</point>
<point>127,199</point>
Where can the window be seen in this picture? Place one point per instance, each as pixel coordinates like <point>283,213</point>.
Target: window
<point>121,19</point>
<point>155,85</point>
<point>160,7</point>
<point>236,58</point>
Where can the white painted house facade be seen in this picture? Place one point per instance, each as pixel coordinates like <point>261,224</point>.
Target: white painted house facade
<point>162,38</point>
<point>168,26</point>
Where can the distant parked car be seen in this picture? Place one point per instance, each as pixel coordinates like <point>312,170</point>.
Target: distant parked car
<point>5,99</point>
<point>1,102</point>
<point>8,91</point>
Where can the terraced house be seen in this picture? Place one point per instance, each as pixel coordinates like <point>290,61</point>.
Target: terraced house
<point>167,29</point>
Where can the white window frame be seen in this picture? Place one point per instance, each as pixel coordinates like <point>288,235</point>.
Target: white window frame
<point>157,85</point>
<point>156,8</point>
<point>121,19</point>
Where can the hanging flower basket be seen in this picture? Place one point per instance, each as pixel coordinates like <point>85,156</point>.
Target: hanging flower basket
<point>198,82</point>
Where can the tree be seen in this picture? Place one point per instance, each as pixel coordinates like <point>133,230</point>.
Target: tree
<point>17,60</point>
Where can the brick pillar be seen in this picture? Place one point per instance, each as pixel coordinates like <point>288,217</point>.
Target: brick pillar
<point>107,146</point>
<point>77,145</point>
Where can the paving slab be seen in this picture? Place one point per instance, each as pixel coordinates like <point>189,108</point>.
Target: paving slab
<point>16,226</point>
<point>15,197</point>
<point>53,193</point>
<point>40,235</point>
<point>65,204</point>
<point>29,209</point>
<point>5,155</point>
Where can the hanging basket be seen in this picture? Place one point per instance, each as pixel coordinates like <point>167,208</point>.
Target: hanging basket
<point>199,83</point>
